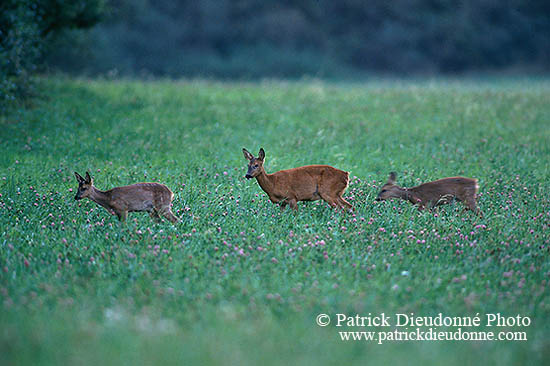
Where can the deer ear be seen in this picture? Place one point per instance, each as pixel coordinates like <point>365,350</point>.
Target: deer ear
<point>88,178</point>
<point>261,154</point>
<point>247,155</point>
<point>392,178</point>
<point>78,177</point>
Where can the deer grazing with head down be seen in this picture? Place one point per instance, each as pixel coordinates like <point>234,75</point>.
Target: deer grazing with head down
<point>306,183</point>
<point>435,193</point>
<point>154,198</point>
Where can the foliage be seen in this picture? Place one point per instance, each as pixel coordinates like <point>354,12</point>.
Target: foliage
<point>238,281</point>
<point>26,29</point>
<point>334,39</point>
<point>19,48</point>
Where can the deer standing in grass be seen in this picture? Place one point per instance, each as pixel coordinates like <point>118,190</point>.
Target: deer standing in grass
<point>434,193</point>
<point>307,183</point>
<point>154,198</point>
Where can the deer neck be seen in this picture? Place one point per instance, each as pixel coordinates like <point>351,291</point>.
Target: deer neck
<point>265,182</point>
<point>408,195</point>
<point>100,197</point>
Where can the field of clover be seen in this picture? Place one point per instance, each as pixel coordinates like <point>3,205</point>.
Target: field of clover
<point>237,281</point>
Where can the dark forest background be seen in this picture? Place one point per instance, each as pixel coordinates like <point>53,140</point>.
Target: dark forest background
<point>246,39</point>
<point>255,38</point>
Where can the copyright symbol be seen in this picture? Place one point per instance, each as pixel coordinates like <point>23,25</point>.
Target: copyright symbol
<point>323,320</point>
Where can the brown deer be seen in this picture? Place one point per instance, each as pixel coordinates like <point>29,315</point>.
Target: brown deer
<point>306,183</point>
<point>434,193</point>
<point>154,198</point>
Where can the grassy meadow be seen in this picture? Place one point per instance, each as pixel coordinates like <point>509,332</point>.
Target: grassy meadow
<point>237,281</point>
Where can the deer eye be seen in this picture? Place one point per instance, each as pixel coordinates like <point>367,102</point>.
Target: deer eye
<point>255,166</point>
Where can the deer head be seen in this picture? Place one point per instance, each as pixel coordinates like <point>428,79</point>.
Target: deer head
<point>255,165</point>
<point>84,186</point>
<point>390,189</point>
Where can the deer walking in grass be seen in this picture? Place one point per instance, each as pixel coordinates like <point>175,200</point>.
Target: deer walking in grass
<point>434,193</point>
<point>307,183</point>
<point>154,198</point>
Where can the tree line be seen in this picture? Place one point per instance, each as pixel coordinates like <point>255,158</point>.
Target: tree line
<point>271,38</point>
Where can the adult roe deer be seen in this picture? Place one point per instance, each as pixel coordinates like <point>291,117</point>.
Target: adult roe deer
<point>306,183</point>
<point>434,193</point>
<point>154,198</point>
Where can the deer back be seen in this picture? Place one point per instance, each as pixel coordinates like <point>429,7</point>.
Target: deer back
<point>459,187</point>
<point>140,196</point>
<point>305,182</point>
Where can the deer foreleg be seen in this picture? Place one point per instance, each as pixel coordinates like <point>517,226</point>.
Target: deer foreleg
<point>122,215</point>
<point>293,204</point>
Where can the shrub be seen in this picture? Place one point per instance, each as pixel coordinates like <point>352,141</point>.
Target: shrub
<point>27,27</point>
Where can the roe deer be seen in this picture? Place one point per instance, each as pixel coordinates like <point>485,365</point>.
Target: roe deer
<point>154,198</point>
<point>434,193</point>
<point>307,183</point>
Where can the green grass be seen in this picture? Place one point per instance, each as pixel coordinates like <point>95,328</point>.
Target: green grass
<point>237,281</point>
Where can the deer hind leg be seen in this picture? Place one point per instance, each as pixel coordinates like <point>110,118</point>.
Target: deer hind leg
<point>171,217</point>
<point>154,214</point>
<point>470,204</point>
<point>333,195</point>
<point>161,205</point>
<point>332,201</point>
<point>328,196</point>
<point>168,214</point>
<point>122,215</point>
<point>293,203</point>
<point>344,204</point>
<point>469,199</point>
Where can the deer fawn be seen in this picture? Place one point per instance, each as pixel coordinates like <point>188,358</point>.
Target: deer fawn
<point>307,183</point>
<point>434,193</point>
<point>154,198</point>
